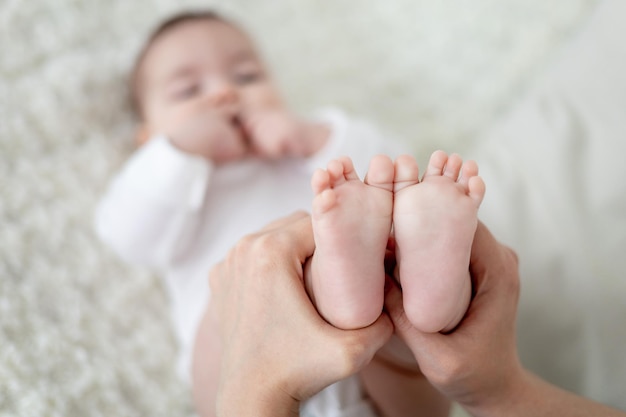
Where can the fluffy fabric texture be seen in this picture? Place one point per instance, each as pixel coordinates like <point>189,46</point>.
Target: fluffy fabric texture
<point>82,334</point>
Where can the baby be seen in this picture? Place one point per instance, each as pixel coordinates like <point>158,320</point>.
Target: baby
<point>221,156</point>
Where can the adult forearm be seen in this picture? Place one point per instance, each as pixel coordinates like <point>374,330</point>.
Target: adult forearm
<point>536,397</point>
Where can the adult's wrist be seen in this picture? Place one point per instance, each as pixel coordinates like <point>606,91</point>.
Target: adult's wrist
<point>255,400</point>
<point>510,396</point>
<point>532,396</point>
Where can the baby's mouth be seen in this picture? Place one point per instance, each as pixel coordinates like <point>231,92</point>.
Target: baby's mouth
<point>240,129</point>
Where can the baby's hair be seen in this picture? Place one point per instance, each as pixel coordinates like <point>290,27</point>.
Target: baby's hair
<point>164,26</point>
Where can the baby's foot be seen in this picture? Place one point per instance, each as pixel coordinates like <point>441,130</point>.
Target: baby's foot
<point>434,223</point>
<point>351,224</point>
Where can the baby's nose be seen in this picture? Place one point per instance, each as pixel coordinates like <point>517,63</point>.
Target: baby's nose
<point>222,92</point>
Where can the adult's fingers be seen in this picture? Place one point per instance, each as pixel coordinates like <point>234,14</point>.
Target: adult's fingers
<point>291,234</point>
<point>284,221</point>
<point>485,248</point>
<point>394,308</point>
<point>494,268</point>
<point>366,342</point>
<point>334,354</point>
<point>483,344</point>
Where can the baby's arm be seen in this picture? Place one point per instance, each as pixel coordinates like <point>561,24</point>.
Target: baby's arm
<point>278,133</point>
<point>152,208</point>
<point>212,133</point>
<point>398,390</point>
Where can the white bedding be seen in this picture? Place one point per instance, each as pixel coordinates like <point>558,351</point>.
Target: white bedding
<point>81,334</point>
<point>556,193</point>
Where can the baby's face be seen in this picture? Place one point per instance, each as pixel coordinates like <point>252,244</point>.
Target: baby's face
<point>202,63</point>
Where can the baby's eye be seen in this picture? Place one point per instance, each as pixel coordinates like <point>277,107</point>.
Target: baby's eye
<point>247,77</point>
<point>185,91</point>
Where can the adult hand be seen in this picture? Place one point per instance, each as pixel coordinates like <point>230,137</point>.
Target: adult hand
<point>478,361</point>
<point>276,349</point>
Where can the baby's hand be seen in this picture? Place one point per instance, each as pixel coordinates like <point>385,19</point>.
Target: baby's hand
<point>209,132</point>
<point>276,133</point>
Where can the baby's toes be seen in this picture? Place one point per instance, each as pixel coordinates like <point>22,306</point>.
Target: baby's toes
<point>341,170</point>
<point>324,202</point>
<point>406,172</point>
<point>320,181</point>
<point>453,167</point>
<point>476,187</point>
<point>436,164</point>
<point>380,173</point>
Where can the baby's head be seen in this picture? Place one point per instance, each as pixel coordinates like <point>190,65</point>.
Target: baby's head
<point>195,59</point>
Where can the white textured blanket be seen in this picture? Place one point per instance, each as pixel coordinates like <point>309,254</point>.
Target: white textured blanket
<point>81,334</point>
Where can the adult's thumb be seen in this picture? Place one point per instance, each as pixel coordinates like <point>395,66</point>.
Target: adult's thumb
<point>395,310</point>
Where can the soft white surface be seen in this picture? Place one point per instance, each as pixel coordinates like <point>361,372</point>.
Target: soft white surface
<point>81,334</point>
<point>555,169</point>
